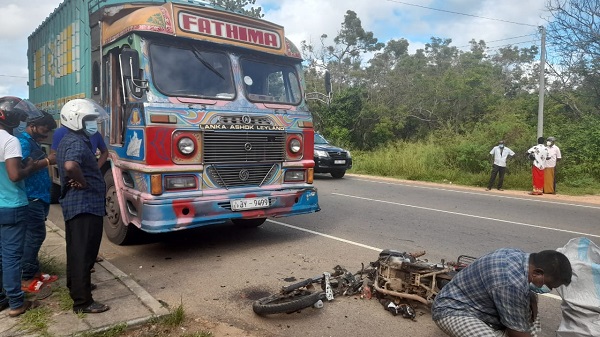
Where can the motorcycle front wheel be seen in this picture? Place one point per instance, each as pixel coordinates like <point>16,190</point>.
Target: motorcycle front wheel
<point>286,303</point>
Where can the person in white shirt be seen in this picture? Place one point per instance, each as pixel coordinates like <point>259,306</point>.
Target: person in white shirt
<point>554,157</point>
<point>499,153</point>
<point>538,155</point>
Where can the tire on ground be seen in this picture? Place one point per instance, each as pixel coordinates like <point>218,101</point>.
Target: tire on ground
<point>280,304</point>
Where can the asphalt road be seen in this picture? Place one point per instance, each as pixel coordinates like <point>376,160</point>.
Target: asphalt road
<point>217,272</point>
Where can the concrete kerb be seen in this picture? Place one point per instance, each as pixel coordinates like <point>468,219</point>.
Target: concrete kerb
<point>153,305</point>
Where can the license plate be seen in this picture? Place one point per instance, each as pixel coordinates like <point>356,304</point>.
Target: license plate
<point>249,203</point>
<point>339,162</point>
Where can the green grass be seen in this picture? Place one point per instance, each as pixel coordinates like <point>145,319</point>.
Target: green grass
<point>430,162</point>
<point>114,331</point>
<point>36,320</point>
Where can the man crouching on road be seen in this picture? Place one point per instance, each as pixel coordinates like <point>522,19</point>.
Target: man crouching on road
<point>495,296</point>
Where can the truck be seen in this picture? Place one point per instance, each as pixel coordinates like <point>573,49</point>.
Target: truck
<point>208,120</point>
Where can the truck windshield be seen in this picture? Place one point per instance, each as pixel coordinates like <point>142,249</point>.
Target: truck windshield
<point>191,71</point>
<point>270,82</point>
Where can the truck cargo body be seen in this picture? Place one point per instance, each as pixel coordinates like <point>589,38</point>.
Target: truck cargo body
<point>208,121</point>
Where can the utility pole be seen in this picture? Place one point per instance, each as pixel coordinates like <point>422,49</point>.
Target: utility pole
<point>540,125</point>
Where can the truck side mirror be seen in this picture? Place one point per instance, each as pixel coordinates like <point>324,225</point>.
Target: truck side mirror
<point>130,63</point>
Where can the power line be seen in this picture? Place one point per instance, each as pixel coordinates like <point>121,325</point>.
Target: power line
<point>508,38</point>
<point>1,75</point>
<point>465,14</point>
<point>511,44</point>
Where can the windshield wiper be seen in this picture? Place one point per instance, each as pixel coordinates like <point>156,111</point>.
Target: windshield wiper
<point>205,63</point>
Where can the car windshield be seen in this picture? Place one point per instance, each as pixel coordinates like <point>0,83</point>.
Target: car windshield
<point>189,70</point>
<point>270,82</point>
<point>320,140</point>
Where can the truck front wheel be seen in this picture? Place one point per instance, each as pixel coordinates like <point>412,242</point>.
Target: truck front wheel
<point>116,231</point>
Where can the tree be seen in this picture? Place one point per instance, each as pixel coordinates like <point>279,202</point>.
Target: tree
<point>239,6</point>
<point>344,57</point>
<point>574,34</point>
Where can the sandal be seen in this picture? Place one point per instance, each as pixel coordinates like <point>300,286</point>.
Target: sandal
<point>33,287</point>
<point>94,308</point>
<point>27,305</point>
<point>47,278</point>
<point>99,258</point>
<point>44,292</point>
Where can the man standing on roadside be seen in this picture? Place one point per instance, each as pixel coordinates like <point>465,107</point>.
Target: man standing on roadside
<point>554,157</point>
<point>37,186</point>
<point>82,200</point>
<point>499,153</point>
<point>13,205</point>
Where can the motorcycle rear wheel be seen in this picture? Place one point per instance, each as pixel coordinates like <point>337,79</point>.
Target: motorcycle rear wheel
<point>286,303</point>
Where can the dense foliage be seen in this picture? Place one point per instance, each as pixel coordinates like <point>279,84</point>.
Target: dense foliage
<point>458,104</point>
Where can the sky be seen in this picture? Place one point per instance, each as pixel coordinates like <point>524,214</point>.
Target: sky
<point>515,21</point>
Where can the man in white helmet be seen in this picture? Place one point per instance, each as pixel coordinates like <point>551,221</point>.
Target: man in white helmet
<point>82,199</point>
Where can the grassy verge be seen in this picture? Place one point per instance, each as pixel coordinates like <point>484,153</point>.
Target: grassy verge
<point>428,162</point>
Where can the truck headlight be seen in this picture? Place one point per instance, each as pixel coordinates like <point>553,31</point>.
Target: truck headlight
<point>295,145</point>
<point>180,182</point>
<point>186,145</point>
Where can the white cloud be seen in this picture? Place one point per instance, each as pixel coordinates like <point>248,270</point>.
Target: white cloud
<point>307,20</point>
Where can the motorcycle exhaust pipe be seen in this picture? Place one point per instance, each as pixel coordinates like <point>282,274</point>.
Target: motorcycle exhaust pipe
<point>398,294</point>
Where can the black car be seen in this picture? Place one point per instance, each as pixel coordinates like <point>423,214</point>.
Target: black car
<point>331,159</point>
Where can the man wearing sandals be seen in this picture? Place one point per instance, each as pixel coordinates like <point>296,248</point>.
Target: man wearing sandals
<point>13,205</point>
<point>82,200</point>
<point>37,186</point>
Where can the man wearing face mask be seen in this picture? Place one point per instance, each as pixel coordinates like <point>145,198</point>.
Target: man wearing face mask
<point>82,199</point>
<point>554,157</point>
<point>495,295</point>
<point>37,186</point>
<point>500,153</point>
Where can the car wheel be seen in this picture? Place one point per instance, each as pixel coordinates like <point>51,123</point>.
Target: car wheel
<point>338,174</point>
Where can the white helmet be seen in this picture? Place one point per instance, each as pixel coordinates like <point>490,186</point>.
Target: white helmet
<point>75,112</point>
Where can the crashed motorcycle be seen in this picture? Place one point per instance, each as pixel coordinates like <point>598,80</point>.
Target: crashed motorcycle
<point>394,277</point>
<point>404,276</point>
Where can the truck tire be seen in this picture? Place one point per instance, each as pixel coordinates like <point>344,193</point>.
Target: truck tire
<point>116,231</point>
<point>248,223</point>
<point>338,174</point>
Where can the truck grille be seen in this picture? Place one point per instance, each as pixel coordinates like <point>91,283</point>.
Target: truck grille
<point>241,176</point>
<point>243,147</point>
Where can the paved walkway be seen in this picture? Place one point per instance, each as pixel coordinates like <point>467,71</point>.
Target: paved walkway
<point>129,303</point>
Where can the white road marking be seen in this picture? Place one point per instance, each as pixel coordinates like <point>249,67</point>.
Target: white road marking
<point>356,243</point>
<point>468,215</point>
<point>325,235</point>
<point>477,193</point>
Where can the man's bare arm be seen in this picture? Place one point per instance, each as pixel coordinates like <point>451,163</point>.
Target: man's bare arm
<point>75,175</point>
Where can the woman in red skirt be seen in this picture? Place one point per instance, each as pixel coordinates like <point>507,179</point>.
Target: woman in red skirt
<point>538,154</point>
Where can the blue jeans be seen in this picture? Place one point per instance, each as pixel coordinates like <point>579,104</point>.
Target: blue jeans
<point>13,225</point>
<point>35,236</point>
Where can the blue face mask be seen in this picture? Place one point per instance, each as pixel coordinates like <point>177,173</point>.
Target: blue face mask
<point>539,290</point>
<point>91,127</point>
